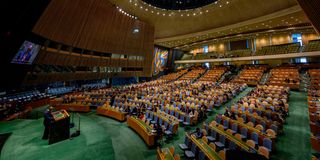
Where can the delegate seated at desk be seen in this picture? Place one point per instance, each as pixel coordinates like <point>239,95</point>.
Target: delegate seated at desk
<point>198,133</point>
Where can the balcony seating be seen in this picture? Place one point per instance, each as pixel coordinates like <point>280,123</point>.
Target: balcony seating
<point>239,53</point>
<point>279,49</point>
<point>312,46</point>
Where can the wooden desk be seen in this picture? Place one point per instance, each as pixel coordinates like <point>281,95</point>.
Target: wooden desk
<point>73,107</point>
<point>164,154</point>
<point>143,130</point>
<point>120,116</point>
<point>38,103</point>
<point>205,148</point>
<point>232,138</point>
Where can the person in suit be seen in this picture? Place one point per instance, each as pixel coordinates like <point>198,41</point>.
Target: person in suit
<point>198,133</point>
<point>47,122</point>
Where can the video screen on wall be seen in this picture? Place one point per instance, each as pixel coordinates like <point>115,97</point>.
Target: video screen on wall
<point>27,53</point>
<point>160,59</point>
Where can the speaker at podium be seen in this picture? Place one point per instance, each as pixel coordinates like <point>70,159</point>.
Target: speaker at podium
<point>60,126</point>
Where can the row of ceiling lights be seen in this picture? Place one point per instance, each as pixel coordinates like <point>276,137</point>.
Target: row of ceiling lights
<point>182,13</point>
<point>125,13</point>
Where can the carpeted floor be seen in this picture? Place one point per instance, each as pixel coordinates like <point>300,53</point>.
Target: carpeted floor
<point>295,143</point>
<point>105,138</point>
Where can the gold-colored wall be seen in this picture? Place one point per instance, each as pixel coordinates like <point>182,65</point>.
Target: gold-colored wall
<point>262,41</point>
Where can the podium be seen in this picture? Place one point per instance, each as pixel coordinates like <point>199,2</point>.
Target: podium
<point>60,127</point>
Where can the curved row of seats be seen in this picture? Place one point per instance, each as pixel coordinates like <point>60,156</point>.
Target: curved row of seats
<point>285,76</point>
<point>193,74</point>
<point>213,75</point>
<point>314,108</point>
<point>251,75</point>
<point>314,78</point>
<point>261,116</point>
<point>173,76</point>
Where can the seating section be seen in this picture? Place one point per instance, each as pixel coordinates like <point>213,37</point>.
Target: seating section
<point>93,85</point>
<point>173,76</point>
<point>313,45</point>
<point>251,75</point>
<point>239,53</point>
<point>78,102</point>
<point>193,74</point>
<point>17,105</point>
<point>314,108</point>
<point>279,49</point>
<point>60,90</point>
<point>167,153</point>
<point>314,78</point>
<point>186,57</point>
<point>253,123</point>
<point>267,104</point>
<point>213,75</point>
<point>168,122</point>
<point>211,55</point>
<point>285,76</point>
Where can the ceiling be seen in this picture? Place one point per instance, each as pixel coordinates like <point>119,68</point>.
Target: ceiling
<point>288,23</point>
<point>178,28</point>
<point>179,4</point>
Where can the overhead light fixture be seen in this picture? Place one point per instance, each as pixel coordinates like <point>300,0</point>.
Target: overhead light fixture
<point>135,30</point>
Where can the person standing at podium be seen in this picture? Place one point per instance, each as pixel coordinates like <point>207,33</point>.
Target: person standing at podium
<point>47,122</point>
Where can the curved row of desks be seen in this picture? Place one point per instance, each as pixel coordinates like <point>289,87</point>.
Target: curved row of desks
<point>120,116</point>
<point>143,130</point>
<point>73,107</point>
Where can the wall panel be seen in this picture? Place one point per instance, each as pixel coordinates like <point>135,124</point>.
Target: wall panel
<point>96,25</point>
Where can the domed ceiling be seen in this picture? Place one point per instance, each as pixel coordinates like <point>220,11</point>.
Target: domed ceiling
<point>212,19</point>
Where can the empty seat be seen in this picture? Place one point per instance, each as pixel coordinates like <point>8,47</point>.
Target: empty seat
<point>221,142</point>
<point>184,146</point>
<point>191,153</point>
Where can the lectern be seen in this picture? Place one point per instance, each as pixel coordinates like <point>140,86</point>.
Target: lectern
<point>60,126</point>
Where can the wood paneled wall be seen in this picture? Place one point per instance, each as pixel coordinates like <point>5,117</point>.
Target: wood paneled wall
<point>96,25</point>
<point>63,58</point>
<point>311,8</point>
<point>44,78</point>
